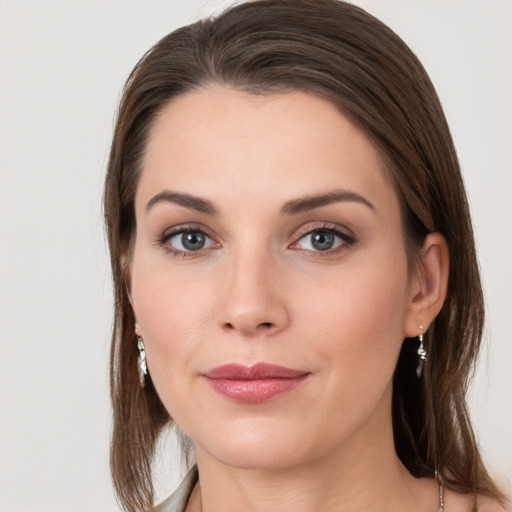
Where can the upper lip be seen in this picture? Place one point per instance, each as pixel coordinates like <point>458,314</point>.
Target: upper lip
<point>259,371</point>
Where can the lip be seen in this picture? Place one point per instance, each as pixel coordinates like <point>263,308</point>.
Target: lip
<point>253,384</point>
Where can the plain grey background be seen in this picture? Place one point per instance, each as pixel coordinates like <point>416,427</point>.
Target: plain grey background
<point>62,66</point>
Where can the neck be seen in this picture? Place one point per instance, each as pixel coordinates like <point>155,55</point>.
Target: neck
<point>362,473</point>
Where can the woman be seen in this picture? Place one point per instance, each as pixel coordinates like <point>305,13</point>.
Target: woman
<point>295,273</point>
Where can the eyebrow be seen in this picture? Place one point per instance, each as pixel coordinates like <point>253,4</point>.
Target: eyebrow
<point>292,207</point>
<point>185,200</point>
<point>306,204</point>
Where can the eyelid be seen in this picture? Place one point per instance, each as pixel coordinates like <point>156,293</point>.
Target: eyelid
<point>348,237</point>
<point>184,228</point>
<point>324,225</point>
<point>316,226</point>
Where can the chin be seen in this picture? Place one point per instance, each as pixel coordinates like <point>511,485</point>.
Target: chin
<point>257,446</point>
<point>257,456</point>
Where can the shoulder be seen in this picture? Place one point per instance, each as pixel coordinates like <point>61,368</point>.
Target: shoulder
<point>456,502</point>
<point>488,505</point>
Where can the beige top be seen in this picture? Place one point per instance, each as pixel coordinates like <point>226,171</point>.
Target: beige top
<point>177,501</point>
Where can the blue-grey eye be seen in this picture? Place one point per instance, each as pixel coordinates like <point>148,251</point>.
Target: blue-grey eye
<point>193,241</point>
<point>323,240</point>
<point>320,240</point>
<point>189,241</point>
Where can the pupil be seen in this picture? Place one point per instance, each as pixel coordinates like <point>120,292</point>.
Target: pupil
<point>323,240</point>
<point>193,241</point>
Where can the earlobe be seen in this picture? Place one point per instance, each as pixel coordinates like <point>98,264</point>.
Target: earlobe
<point>429,285</point>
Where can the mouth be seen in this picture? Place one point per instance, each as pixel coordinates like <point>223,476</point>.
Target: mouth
<point>253,384</point>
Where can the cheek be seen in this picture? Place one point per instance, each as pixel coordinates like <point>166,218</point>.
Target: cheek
<point>356,326</point>
<point>170,321</point>
<point>170,313</point>
<point>357,318</point>
<point>169,318</point>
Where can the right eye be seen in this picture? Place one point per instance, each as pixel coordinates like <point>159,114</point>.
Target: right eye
<point>187,241</point>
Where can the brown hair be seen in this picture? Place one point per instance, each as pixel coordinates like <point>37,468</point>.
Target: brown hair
<point>341,53</point>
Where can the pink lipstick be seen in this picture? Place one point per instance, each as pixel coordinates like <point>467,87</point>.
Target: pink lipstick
<point>253,384</point>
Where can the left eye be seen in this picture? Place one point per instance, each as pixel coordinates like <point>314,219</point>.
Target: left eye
<point>321,240</point>
<point>187,241</point>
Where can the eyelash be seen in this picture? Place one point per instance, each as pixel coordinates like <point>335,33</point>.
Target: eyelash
<point>180,230</point>
<point>347,240</point>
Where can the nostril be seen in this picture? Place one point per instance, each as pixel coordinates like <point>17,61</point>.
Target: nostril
<point>248,329</point>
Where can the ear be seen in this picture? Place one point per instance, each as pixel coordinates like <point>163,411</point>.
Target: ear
<point>428,287</point>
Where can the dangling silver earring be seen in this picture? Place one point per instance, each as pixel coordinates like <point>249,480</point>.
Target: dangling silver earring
<point>422,354</point>
<point>143,367</point>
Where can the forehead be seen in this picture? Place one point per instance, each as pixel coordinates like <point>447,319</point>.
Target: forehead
<point>222,142</point>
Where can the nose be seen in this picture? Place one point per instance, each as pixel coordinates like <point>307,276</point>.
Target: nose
<point>253,297</point>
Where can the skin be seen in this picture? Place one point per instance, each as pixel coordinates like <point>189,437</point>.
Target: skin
<point>260,291</point>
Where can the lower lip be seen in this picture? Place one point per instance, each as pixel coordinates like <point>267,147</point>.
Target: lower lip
<point>254,391</point>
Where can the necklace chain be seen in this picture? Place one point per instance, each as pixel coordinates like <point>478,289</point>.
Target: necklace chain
<point>441,497</point>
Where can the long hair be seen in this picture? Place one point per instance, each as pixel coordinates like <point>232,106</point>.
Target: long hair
<point>342,54</point>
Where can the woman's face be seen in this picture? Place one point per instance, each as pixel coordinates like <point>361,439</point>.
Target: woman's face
<point>267,232</point>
